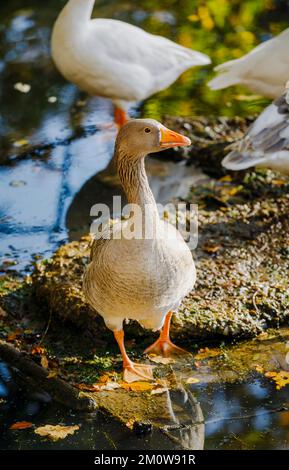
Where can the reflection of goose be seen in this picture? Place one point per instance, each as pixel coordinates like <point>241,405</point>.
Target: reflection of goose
<point>167,179</point>
<point>114,59</point>
<point>144,277</point>
<point>264,70</point>
<point>266,143</point>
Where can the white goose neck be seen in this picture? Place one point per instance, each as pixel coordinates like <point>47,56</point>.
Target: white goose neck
<point>81,9</point>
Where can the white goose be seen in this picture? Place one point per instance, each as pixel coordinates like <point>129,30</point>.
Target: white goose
<point>266,143</point>
<point>143,278</point>
<point>264,70</point>
<point>114,59</point>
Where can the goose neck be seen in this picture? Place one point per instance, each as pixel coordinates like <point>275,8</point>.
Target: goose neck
<point>81,9</point>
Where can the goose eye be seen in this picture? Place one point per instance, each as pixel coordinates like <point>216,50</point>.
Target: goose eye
<point>147,130</point>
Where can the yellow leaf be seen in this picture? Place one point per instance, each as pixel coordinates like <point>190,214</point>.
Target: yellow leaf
<point>52,374</point>
<point>44,362</point>
<point>259,369</point>
<point>161,359</point>
<point>56,432</point>
<point>192,380</point>
<point>226,178</point>
<point>38,350</point>
<point>206,353</point>
<point>280,378</point>
<point>21,143</point>
<point>137,386</point>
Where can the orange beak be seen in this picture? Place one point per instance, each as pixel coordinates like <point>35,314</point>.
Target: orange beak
<point>173,139</point>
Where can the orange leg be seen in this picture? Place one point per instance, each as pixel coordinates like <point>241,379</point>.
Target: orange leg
<point>120,117</point>
<point>163,344</point>
<point>132,372</point>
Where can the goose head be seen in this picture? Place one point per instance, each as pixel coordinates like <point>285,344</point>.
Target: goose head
<point>139,137</point>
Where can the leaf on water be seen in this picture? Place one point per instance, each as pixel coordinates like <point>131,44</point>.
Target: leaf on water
<point>137,386</point>
<point>22,87</point>
<point>280,378</point>
<point>206,353</point>
<point>56,432</point>
<point>161,359</point>
<point>192,380</point>
<point>130,423</point>
<point>44,362</point>
<point>20,143</point>
<point>21,425</point>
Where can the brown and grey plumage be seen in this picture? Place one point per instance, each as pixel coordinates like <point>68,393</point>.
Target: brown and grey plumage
<point>144,277</point>
<point>266,143</point>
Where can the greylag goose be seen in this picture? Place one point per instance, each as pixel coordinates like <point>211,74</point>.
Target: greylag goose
<point>264,70</point>
<point>114,59</point>
<point>144,277</point>
<point>266,143</point>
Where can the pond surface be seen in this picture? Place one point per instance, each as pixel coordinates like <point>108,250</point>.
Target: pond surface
<point>243,415</point>
<point>44,195</point>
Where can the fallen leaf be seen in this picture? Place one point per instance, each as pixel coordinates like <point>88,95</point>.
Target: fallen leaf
<point>211,248</point>
<point>14,335</point>
<point>38,350</point>
<point>279,182</point>
<point>161,359</point>
<point>192,380</point>
<point>21,425</point>
<point>52,374</point>
<point>21,143</point>
<point>130,423</point>
<point>226,179</point>
<point>2,313</point>
<point>206,353</point>
<point>159,390</point>
<point>137,386</point>
<point>280,378</point>
<point>22,87</point>
<point>85,387</point>
<point>44,362</point>
<point>56,432</point>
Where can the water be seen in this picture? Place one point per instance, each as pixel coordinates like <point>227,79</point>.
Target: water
<point>44,197</point>
<point>244,415</point>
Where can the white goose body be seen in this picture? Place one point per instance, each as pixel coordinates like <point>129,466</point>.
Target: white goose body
<point>139,278</point>
<point>114,59</point>
<point>264,70</point>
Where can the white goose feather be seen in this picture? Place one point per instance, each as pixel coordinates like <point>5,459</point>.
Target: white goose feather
<point>114,59</point>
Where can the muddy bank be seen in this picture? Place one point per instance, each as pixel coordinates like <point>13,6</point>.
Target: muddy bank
<point>242,265</point>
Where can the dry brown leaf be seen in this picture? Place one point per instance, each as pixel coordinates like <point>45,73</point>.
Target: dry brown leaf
<point>56,432</point>
<point>211,248</point>
<point>161,359</point>
<point>21,425</point>
<point>14,335</point>
<point>192,380</point>
<point>206,353</point>
<point>85,387</point>
<point>2,313</point>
